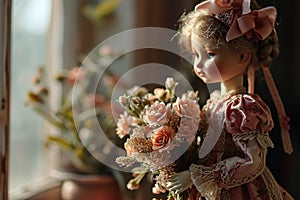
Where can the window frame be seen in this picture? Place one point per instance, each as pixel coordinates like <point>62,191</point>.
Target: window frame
<point>5,43</point>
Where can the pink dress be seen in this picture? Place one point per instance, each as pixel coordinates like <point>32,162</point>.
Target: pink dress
<point>235,167</point>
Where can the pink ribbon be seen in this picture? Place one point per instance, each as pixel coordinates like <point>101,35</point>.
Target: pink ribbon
<point>260,21</point>
<point>218,6</point>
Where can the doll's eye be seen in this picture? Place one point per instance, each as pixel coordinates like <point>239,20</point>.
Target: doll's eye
<point>195,56</point>
<point>210,55</point>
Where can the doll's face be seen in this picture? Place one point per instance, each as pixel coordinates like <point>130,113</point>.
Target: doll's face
<point>214,66</point>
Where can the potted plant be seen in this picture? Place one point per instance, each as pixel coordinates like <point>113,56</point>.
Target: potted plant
<point>76,162</point>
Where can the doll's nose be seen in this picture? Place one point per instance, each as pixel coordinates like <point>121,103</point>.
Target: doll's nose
<point>198,62</point>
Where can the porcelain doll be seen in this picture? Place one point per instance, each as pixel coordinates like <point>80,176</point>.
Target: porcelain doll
<point>229,39</point>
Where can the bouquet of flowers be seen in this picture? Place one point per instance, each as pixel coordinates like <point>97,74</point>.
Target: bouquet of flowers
<point>159,127</point>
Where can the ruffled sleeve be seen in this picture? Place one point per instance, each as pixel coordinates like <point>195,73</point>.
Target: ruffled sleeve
<point>245,113</point>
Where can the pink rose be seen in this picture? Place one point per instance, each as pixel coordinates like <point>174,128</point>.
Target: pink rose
<point>156,114</point>
<point>187,107</point>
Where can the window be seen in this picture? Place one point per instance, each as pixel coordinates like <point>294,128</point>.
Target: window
<point>30,25</point>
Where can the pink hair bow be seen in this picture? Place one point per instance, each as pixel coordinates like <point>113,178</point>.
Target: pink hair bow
<point>259,23</point>
<point>218,6</point>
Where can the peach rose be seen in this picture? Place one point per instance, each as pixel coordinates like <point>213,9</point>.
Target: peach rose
<point>162,137</point>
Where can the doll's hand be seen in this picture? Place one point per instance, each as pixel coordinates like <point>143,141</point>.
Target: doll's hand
<point>179,182</point>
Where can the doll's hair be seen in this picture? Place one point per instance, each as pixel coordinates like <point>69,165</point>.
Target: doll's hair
<point>212,33</point>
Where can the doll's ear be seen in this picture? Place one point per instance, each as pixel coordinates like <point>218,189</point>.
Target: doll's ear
<point>245,57</point>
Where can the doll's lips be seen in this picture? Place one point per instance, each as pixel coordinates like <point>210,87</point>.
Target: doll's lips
<point>200,73</point>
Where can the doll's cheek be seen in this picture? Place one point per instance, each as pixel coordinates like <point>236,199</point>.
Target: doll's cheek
<point>212,69</point>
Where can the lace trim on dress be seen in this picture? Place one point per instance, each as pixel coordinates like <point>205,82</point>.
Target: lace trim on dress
<point>204,181</point>
<point>262,138</point>
<point>244,136</point>
<point>223,175</point>
<point>271,185</point>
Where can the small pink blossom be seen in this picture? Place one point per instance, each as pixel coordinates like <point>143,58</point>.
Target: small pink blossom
<point>76,73</point>
<point>95,99</point>
<point>125,124</point>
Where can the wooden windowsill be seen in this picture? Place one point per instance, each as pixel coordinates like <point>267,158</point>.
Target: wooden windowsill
<point>47,188</point>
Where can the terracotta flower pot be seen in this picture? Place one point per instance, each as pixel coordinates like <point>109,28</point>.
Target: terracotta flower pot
<point>89,186</point>
<point>97,188</point>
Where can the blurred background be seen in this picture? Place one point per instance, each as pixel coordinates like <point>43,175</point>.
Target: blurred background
<point>56,34</point>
